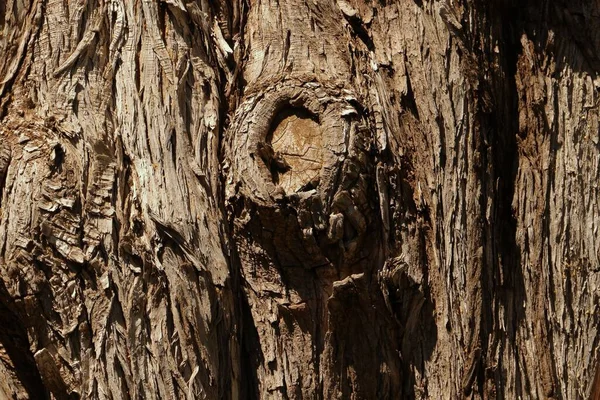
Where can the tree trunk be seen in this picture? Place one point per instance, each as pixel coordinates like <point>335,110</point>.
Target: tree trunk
<point>299,199</point>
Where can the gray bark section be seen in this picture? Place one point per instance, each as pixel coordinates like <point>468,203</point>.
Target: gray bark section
<point>299,199</point>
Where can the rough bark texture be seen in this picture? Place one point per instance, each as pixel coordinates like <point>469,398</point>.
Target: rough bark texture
<point>299,199</point>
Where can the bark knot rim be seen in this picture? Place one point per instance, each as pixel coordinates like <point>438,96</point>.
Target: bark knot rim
<point>251,155</point>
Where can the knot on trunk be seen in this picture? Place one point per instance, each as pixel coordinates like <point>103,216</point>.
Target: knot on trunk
<point>299,170</point>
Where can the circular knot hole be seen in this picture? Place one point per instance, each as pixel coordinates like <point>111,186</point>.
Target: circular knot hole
<point>296,140</point>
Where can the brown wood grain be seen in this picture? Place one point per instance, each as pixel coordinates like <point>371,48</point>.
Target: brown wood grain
<point>299,199</point>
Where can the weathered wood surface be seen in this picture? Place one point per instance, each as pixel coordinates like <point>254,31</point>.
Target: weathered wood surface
<point>299,199</point>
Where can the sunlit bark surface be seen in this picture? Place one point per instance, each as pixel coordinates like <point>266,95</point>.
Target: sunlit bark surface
<point>299,199</point>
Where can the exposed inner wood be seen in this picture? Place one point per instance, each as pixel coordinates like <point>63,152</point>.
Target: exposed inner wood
<point>297,138</point>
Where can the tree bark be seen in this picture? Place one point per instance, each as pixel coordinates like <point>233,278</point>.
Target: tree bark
<point>300,199</point>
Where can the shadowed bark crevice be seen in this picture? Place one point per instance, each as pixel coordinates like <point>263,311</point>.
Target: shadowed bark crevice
<point>15,345</point>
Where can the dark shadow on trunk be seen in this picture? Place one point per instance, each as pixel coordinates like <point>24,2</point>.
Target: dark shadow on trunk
<point>13,338</point>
